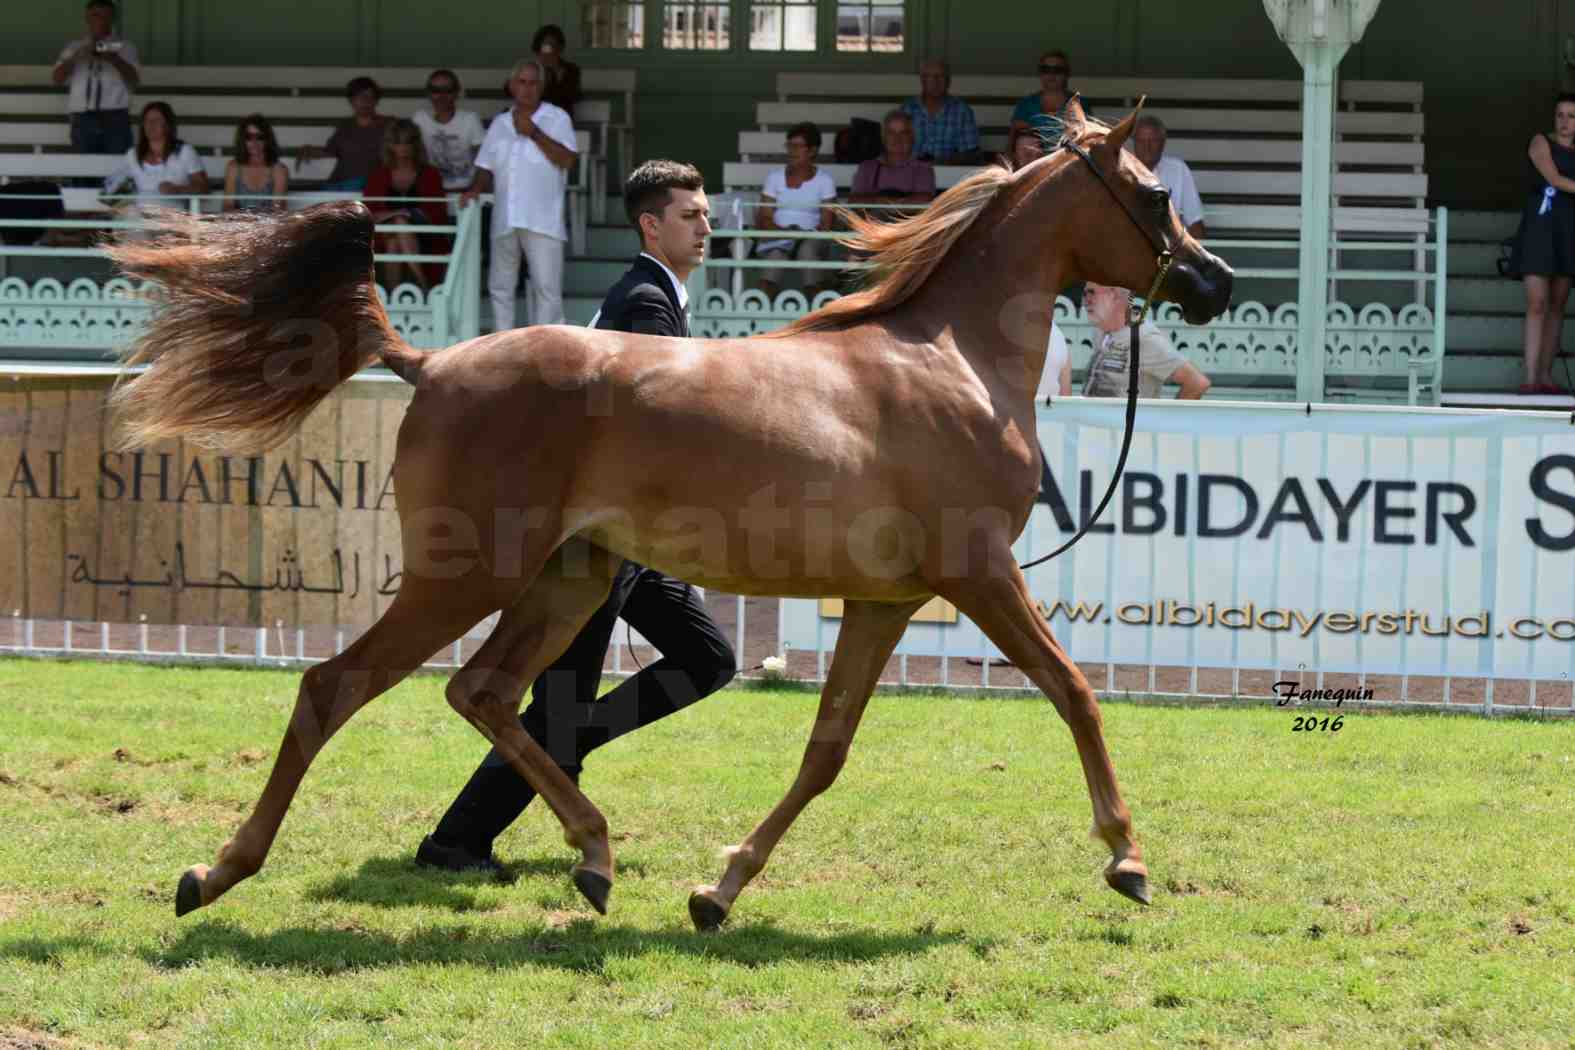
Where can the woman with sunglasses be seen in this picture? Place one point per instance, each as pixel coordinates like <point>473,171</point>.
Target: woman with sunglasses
<point>1042,111</point>
<point>255,174</point>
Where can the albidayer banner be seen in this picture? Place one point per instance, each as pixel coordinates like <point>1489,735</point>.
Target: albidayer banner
<point>1390,540</point>
<point>1385,540</point>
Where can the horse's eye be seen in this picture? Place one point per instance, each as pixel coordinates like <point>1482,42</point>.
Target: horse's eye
<point>1159,199</point>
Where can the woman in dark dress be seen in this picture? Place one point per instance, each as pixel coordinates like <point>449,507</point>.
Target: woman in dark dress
<point>1544,252</point>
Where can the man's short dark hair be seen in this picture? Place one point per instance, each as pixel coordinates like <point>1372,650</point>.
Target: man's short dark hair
<point>546,32</point>
<point>360,84</point>
<point>648,187</point>
<point>452,76</point>
<point>91,4</point>
<point>806,131</point>
<point>1149,120</point>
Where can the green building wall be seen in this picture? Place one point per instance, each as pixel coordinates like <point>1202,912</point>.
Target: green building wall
<point>1490,71</point>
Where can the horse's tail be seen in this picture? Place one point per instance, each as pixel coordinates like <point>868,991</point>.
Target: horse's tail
<point>259,318</point>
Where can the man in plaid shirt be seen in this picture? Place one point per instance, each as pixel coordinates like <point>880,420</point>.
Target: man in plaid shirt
<point>943,125</point>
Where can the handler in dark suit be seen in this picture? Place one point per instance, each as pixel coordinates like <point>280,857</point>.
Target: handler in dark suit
<point>666,202</point>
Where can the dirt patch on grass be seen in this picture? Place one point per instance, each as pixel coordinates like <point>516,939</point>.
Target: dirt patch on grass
<point>10,907</point>
<point>114,804</point>
<point>1192,888</point>
<point>184,812</point>
<point>22,1039</point>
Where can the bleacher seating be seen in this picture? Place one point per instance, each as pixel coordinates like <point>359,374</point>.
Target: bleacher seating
<point>303,103</point>
<point>1241,137</point>
<point>70,166</point>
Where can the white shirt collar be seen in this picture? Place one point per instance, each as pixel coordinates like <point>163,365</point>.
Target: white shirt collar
<point>678,286</point>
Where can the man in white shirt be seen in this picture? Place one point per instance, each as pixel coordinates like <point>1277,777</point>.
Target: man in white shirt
<point>101,71</point>
<point>525,161</point>
<point>1148,142</point>
<point>451,136</point>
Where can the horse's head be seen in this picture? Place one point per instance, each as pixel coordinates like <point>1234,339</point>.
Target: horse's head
<point>1127,220</point>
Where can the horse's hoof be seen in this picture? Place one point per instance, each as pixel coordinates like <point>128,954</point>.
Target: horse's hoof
<point>1130,884</point>
<point>188,895</point>
<point>593,887</point>
<point>707,915</point>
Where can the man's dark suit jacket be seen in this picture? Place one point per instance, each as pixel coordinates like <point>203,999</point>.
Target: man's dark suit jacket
<point>644,301</point>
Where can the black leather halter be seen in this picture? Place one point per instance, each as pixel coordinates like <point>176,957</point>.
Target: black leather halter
<point>1135,316</point>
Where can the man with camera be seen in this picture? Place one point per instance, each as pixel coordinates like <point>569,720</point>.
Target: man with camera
<point>101,71</point>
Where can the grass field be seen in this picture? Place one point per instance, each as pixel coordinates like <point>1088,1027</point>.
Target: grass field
<point>1405,882</point>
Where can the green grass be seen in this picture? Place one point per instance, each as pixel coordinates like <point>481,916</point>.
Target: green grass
<point>1404,883</point>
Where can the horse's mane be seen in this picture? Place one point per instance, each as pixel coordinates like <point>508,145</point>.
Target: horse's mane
<point>903,253</point>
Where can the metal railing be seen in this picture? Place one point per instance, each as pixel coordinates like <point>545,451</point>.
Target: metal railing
<point>1390,350</point>
<point>40,315</point>
<point>295,648</point>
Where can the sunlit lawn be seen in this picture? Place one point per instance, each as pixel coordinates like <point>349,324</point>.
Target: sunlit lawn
<point>1405,882</point>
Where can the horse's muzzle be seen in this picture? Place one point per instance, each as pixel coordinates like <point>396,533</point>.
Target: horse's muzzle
<point>1201,285</point>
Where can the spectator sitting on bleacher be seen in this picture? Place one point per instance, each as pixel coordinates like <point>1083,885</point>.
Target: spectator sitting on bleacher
<point>102,71</point>
<point>1043,110</point>
<point>1148,142</point>
<point>254,172</point>
<point>894,177</point>
<point>356,144</point>
<point>791,199</point>
<point>525,160</point>
<point>563,76</point>
<point>944,128</point>
<point>160,164</point>
<point>451,136</point>
<point>1158,361</point>
<point>402,190</point>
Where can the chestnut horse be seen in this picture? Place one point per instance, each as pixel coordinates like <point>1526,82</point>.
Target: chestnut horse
<point>881,450</point>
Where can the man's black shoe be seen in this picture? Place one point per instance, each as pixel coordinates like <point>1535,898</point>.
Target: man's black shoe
<point>433,854</point>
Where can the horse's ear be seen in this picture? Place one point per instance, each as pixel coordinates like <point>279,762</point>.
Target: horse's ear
<point>1073,119</point>
<point>1121,132</point>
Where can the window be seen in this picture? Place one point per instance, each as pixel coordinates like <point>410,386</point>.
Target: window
<point>782,25</point>
<point>763,26</point>
<point>871,27</point>
<point>609,24</point>
<point>697,27</point>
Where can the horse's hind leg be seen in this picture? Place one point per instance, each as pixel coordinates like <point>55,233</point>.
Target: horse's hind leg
<point>1002,607</point>
<point>530,635</point>
<point>421,621</point>
<point>869,633</point>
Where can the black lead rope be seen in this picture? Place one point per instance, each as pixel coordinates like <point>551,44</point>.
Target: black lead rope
<point>1133,347</point>
<point>1121,460</point>
<point>1135,320</point>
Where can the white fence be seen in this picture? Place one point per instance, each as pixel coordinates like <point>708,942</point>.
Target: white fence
<point>1418,556</point>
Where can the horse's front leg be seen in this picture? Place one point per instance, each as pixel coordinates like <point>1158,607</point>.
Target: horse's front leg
<point>422,619</point>
<point>869,633</point>
<point>999,602</point>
